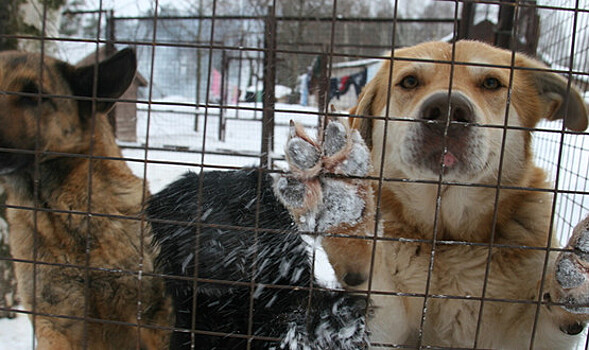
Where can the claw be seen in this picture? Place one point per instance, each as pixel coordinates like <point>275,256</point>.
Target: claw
<point>298,130</point>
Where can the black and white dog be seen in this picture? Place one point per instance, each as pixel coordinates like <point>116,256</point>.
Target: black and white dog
<point>254,270</point>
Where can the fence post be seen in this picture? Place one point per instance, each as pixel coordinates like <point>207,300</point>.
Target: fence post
<point>269,100</point>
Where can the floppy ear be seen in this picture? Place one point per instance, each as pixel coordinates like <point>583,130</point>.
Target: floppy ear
<point>553,94</point>
<point>114,75</point>
<point>371,102</point>
<point>364,108</point>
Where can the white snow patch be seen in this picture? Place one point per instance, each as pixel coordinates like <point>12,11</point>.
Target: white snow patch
<point>16,333</point>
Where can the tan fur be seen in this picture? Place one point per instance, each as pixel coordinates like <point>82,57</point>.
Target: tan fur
<point>410,215</point>
<point>71,265</point>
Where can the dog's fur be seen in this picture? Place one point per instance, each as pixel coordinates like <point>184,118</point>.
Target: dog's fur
<point>206,227</point>
<point>71,265</point>
<point>490,243</point>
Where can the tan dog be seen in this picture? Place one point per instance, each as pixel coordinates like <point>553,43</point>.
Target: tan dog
<point>79,273</point>
<point>490,218</point>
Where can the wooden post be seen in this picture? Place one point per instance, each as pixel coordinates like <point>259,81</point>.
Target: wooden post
<point>505,24</point>
<point>109,51</point>
<point>529,15</point>
<point>269,99</point>
<point>466,20</point>
<point>9,24</point>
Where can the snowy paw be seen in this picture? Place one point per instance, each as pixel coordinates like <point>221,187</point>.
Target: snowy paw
<point>345,152</point>
<point>572,272</point>
<point>316,199</point>
<point>302,153</point>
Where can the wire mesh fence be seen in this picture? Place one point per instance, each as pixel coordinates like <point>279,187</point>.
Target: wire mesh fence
<point>216,89</point>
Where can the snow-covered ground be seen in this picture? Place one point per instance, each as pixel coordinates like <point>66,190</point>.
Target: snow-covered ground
<point>167,129</point>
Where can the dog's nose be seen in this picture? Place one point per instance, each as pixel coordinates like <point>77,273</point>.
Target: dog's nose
<point>439,107</point>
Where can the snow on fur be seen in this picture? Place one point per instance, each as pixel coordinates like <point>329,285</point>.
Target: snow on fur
<point>209,231</point>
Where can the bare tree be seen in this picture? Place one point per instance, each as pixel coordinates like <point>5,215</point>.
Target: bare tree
<point>9,23</point>
<point>7,278</point>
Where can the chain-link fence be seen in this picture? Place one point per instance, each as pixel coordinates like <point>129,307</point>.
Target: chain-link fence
<point>216,90</point>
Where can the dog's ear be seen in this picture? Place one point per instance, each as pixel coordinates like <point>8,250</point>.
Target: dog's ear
<point>362,109</point>
<point>114,75</point>
<point>560,102</point>
<point>371,102</point>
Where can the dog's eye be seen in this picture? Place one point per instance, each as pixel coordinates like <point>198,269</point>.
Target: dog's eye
<point>409,82</point>
<point>30,91</point>
<point>491,84</point>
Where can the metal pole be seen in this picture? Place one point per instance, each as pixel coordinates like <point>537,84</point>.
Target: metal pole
<point>268,101</point>
<point>322,90</point>
<point>222,98</point>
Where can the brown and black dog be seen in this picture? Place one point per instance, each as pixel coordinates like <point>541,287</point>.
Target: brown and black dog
<point>74,208</point>
<point>461,114</point>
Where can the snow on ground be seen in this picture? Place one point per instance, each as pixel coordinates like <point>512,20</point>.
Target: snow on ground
<point>174,130</point>
<point>16,333</point>
<point>168,129</point>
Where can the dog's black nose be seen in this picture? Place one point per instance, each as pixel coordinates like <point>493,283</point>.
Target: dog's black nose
<point>440,106</point>
<point>573,328</point>
<point>353,279</point>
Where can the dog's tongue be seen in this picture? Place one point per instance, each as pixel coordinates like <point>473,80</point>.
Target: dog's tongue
<point>449,160</point>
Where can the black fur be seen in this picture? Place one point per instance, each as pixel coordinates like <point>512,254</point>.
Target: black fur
<point>277,257</point>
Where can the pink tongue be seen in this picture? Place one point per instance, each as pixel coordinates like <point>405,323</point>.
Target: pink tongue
<point>449,160</point>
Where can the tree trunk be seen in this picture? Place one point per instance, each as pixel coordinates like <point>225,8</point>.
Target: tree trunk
<point>7,278</point>
<point>8,24</point>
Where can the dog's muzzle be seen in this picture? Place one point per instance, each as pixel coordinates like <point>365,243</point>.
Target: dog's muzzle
<point>444,122</point>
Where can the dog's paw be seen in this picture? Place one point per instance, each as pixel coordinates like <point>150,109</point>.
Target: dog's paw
<point>572,272</point>
<point>345,152</point>
<point>317,200</point>
<point>302,153</point>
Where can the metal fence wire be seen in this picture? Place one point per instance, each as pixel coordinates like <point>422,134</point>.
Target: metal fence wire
<point>217,85</point>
